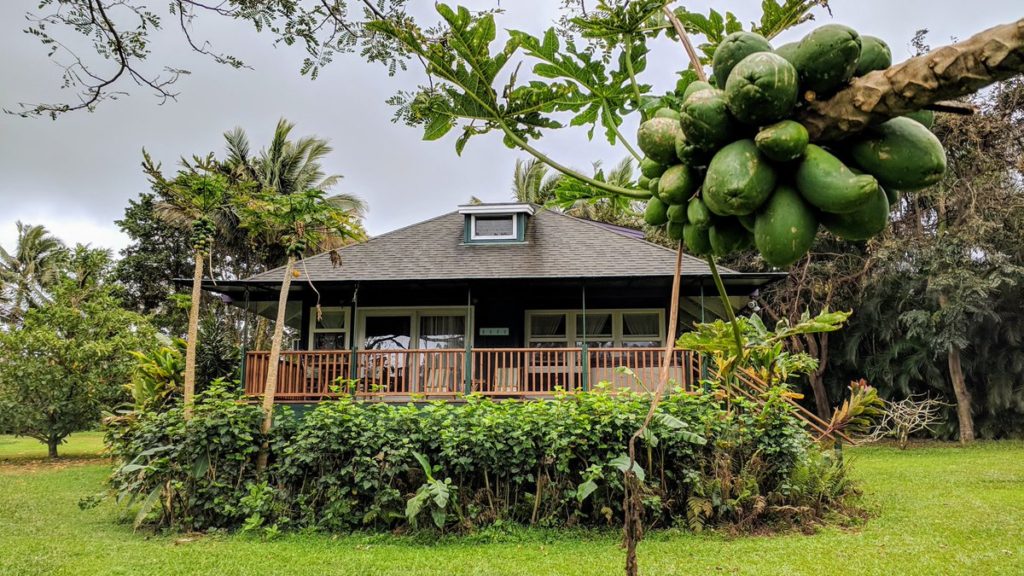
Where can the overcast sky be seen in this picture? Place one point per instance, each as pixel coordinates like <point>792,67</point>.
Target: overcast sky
<point>75,175</point>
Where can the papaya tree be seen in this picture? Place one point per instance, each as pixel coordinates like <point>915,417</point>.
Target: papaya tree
<point>300,223</point>
<point>196,198</point>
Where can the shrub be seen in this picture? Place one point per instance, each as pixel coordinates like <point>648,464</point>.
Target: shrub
<point>351,465</point>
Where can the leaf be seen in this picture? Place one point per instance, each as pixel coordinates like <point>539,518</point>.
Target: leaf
<point>585,489</point>
<point>681,429</point>
<point>622,463</point>
<point>147,506</point>
<point>439,516</point>
<point>201,465</point>
<point>425,464</point>
<point>438,127</point>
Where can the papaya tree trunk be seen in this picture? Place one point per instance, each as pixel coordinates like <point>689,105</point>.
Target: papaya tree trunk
<point>942,74</point>
<point>270,389</point>
<point>193,335</point>
<point>963,396</point>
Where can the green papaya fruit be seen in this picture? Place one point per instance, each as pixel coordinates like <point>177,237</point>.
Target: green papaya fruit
<point>652,186</point>
<point>783,141</point>
<point>643,182</point>
<point>656,212</point>
<point>696,239</point>
<point>651,168</point>
<point>748,221</point>
<point>677,184</point>
<point>925,117</point>
<point>874,55</point>
<point>677,213</point>
<point>698,214</point>
<point>788,51</point>
<point>676,230</point>
<point>667,112</point>
<point>706,121</point>
<point>862,223</point>
<point>695,87</point>
<point>827,58</point>
<point>761,89</point>
<point>657,138</point>
<point>732,49</point>
<point>727,236</point>
<point>785,227</point>
<point>739,179</point>
<point>901,153</point>
<point>828,184</point>
<point>689,154</point>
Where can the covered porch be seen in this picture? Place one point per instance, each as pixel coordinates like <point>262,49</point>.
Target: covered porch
<point>522,338</point>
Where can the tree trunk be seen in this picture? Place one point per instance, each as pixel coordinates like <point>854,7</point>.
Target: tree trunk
<point>51,444</point>
<point>193,335</point>
<point>942,74</point>
<point>275,354</point>
<point>817,378</point>
<point>963,396</point>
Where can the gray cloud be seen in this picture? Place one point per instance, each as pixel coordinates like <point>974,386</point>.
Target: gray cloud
<point>76,175</point>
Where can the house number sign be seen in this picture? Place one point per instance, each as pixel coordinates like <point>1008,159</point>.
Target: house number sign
<point>494,331</point>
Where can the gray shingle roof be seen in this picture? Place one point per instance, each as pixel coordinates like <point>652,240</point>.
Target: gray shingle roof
<point>557,246</point>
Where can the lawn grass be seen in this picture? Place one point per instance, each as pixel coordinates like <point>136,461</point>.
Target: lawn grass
<point>23,449</point>
<point>938,510</point>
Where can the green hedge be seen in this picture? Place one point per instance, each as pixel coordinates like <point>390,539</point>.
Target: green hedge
<point>350,465</point>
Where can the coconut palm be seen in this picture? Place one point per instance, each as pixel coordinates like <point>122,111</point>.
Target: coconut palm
<point>198,197</point>
<point>298,223</point>
<point>533,182</point>
<point>289,167</point>
<point>32,268</point>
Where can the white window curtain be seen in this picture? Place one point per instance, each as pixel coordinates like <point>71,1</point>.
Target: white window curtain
<point>547,325</point>
<point>442,332</point>
<point>640,325</point>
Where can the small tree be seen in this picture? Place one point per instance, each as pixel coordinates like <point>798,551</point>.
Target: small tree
<point>298,222</point>
<point>196,197</point>
<point>69,359</point>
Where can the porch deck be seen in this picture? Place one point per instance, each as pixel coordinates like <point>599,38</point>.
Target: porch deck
<point>403,375</point>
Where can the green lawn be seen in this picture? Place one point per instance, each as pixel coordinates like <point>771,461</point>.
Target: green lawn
<point>939,510</point>
<point>82,445</point>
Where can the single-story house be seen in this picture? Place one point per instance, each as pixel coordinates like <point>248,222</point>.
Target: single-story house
<point>504,299</point>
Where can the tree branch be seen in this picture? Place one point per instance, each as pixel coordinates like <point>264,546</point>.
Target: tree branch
<point>945,73</point>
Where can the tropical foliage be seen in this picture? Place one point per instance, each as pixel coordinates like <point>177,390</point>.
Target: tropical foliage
<point>29,270</point>
<point>70,358</point>
<point>348,465</point>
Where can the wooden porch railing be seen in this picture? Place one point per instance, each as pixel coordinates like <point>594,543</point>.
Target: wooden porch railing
<point>305,376</point>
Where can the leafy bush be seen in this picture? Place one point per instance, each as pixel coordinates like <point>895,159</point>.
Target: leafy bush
<point>350,465</point>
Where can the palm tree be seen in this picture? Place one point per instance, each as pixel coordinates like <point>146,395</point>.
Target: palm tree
<point>290,167</point>
<point>197,197</point>
<point>533,182</point>
<point>32,268</point>
<point>298,222</point>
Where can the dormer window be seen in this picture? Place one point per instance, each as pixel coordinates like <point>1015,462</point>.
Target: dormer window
<point>496,227</point>
<point>495,223</point>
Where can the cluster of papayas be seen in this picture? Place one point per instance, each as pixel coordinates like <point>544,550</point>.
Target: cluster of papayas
<point>731,169</point>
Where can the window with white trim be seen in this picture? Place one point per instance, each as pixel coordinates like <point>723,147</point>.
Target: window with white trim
<point>330,331</point>
<point>493,227</point>
<point>638,328</point>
